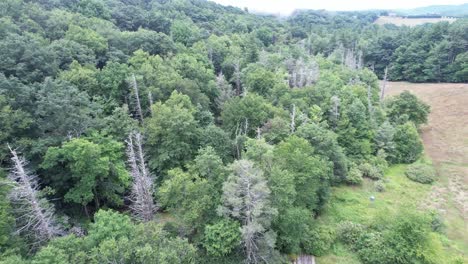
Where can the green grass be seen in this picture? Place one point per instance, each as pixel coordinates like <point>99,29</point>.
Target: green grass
<point>352,203</point>
<point>340,255</point>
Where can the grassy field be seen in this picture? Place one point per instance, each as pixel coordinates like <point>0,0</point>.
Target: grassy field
<point>400,21</point>
<point>445,139</point>
<point>354,204</point>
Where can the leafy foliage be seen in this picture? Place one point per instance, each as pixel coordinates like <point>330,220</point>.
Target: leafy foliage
<point>421,173</point>
<point>250,123</point>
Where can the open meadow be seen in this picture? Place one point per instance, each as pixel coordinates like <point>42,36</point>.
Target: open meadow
<point>445,139</point>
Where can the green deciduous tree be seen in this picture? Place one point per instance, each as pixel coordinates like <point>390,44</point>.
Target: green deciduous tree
<point>87,169</point>
<point>407,105</point>
<point>88,38</point>
<point>246,114</point>
<point>172,133</point>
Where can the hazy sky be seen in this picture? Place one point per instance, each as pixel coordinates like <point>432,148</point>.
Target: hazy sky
<point>287,6</point>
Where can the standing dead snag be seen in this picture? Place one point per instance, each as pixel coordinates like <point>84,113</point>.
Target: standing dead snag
<point>36,217</point>
<point>143,206</point>
<point>384,83</point>
<point>137,98</point>
<point>151,102</point>
<point>335,111</point>
<point>293,119</point>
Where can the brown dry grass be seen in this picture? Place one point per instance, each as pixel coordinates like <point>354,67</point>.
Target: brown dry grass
<point>445,140</point>
<point>400,21</point>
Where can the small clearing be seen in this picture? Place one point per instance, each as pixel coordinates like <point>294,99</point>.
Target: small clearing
<point>411,22</point>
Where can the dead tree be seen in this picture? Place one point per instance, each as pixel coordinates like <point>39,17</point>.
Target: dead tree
<point>369,105</point>
<point>137,98</point>
<point>143,206</point>
<point>293,119</point>
<point>151,102</point>
<point>225,90</point>
<point>335,111</point>
<point>384,83</point>
<point>35,215</point>
<point>301,73</point>
<point>237,76</point>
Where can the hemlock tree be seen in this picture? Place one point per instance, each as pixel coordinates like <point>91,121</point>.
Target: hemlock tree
<point>246,197</point>
<point>408,143</point>
<point>35,216</point>
<point>384,139</point>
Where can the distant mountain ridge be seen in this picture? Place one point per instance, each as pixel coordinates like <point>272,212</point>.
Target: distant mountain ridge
<point>443,10</point>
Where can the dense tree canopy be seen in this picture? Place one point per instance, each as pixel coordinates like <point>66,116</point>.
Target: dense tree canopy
<point>247,123</point>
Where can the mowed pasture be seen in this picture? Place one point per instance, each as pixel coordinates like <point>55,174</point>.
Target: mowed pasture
<point>411,22</point>
<point>445,140</point>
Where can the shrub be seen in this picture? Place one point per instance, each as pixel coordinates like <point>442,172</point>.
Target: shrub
<point>421,173</point>
<point>437,222</point>
<point>319,240</point>
<point>349,232</point>
<point>354,176</point>
<point>371,248</point>
<point>370,171</point>
<point>222,237</point>
<point>380,161</point>
<point>379,186</point>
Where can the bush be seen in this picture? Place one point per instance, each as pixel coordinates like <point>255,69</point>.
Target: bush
<point>421,173</point>
<point>319,240</point>
<point>354,176</point>
<point>349,232</point>
<point>379,186</point>
<point>437,222</point>
<point>371,249</point>
<point>222,237</point>
<point>370,171</point>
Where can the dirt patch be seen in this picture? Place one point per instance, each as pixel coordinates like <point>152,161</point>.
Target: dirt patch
<point>445,140</point>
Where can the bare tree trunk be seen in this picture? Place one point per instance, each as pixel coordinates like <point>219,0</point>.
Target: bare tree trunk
<point>36,215</point>
<point>137,98</point>
<point>369,105</point>
<point>238,134</point>
<point>335,100</point>
<point>237,77</point>
<point>293,119</point>
<point>384,83</point>
<point>143,206</point>
<point>151,102</point>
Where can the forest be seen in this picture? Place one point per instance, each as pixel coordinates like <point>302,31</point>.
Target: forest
<point>183,131</point>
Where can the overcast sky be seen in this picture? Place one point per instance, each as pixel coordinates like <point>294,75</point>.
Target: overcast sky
<point>285,7</point>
